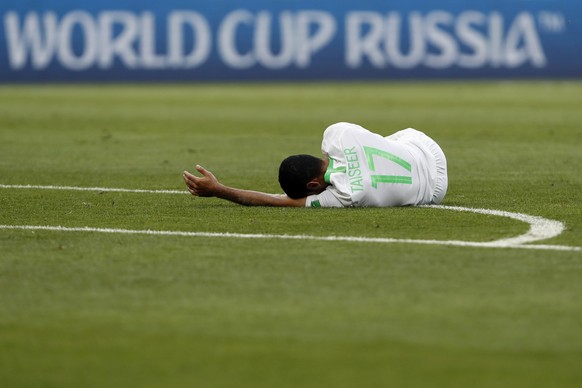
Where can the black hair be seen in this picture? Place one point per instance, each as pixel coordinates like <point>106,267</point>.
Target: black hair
<point>296,172</point>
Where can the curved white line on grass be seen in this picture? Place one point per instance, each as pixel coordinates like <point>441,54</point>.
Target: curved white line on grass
<point>540,228</point>
<point>288,237</point>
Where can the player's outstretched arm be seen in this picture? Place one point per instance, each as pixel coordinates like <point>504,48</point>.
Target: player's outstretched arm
<point>208,186</point>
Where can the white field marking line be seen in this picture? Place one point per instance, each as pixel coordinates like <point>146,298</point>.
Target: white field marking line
<point>540,228</point>
<point>100,189</point>
<point>287,237</point>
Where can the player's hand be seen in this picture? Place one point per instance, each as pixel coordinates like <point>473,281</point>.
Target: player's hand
<point>205,186</point>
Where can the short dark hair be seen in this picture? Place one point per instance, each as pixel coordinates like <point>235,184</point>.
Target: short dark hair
<point>296,172</point>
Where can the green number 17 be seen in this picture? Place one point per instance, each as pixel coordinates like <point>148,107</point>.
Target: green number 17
<point>371,152</point>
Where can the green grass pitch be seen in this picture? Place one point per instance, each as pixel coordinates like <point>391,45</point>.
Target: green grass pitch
<point>81,309</point>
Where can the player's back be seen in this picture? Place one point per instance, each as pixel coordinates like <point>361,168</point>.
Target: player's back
<point>373,170</point>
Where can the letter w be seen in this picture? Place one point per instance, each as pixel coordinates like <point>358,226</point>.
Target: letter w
<point>29,39</point>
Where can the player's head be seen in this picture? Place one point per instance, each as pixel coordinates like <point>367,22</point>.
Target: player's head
<point>298,173</point>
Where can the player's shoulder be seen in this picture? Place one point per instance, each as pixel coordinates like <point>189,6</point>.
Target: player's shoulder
<point>339,128</point>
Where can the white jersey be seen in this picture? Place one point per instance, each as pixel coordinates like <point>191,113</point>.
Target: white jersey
<point>366,169</point>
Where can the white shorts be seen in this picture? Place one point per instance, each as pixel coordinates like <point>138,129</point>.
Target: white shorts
<point>442,180</point>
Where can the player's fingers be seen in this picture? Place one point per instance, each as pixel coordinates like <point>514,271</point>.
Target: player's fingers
<point>189,178</point>
<point>190,184</point>
<point>192,191</point>
<point>186,179</point>
<point>203,171</point>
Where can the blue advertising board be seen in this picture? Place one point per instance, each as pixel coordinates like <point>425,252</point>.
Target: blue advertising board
<point>178,40</point>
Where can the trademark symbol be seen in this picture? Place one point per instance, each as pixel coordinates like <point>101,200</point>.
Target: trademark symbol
<point>552,22</point>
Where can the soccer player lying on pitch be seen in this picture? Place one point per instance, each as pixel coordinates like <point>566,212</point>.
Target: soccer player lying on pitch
<point>359,168</point>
